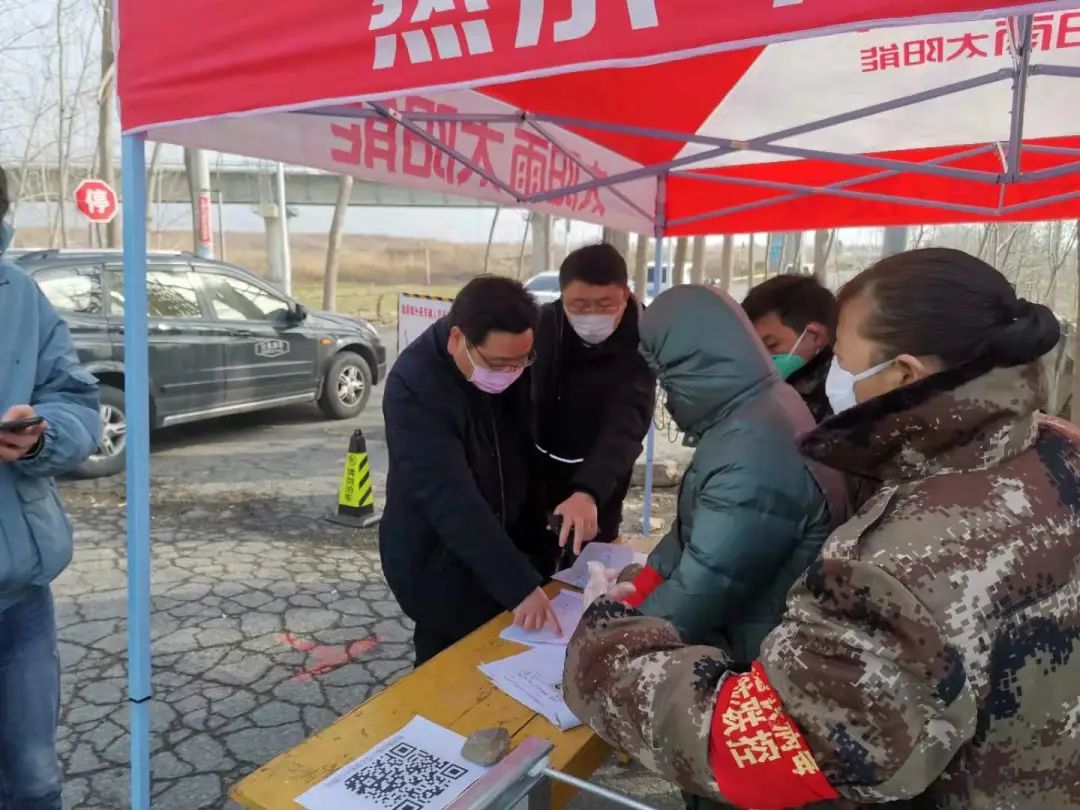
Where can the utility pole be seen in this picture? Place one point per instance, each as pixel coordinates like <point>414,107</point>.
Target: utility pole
<point>333,250</point>
<point>106,105</point>
<point>198,172</point>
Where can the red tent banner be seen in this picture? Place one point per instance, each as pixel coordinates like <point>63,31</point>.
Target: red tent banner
<point>660,116</point>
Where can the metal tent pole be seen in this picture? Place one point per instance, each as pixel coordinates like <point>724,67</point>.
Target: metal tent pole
<point>650,443</point>
<point>137,405</point>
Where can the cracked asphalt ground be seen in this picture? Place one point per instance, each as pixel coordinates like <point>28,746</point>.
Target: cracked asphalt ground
<point>268,621</point>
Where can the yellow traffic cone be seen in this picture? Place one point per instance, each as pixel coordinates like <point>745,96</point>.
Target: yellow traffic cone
<point>356,499</point>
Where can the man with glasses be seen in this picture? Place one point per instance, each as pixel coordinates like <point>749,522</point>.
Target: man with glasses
<point>464,533</point>
<point>594,395</point>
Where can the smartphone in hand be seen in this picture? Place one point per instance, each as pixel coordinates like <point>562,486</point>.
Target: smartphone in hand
<point>21,425</point>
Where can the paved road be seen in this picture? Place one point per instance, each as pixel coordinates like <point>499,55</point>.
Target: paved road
<point>268,622</point>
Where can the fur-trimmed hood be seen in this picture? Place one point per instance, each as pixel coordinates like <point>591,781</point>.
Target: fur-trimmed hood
<point>966,418</point>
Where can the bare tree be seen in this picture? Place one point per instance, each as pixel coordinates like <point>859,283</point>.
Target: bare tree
<point>823,241</point>
<point>333,251</point>
<point>61,141</point>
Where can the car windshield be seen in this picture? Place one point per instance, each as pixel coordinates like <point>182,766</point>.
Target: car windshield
<point>545,283</point>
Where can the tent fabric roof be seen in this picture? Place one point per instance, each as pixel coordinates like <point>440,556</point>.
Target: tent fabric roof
<point>661,116</point>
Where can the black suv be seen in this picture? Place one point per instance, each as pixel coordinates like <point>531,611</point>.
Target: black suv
<point>222,341</point>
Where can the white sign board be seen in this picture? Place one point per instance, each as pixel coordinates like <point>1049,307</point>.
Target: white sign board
<point>415,314</point>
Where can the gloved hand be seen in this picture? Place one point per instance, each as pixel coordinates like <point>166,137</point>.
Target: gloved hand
<point>602,582</point>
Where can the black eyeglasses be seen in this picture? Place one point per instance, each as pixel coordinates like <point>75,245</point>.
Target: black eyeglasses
<point>506,366</point>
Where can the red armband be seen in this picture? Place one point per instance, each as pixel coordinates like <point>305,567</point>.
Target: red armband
<point>644,583</point>
<point>757,754</point>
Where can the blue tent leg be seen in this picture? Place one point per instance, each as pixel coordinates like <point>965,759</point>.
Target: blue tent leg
<point>137,405</point>
<point>650,442</point>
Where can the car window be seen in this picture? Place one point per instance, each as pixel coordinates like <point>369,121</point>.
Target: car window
<point>233,299</point>
<point>72,289</point>
<point>543,284</point>
<point>169,292</point>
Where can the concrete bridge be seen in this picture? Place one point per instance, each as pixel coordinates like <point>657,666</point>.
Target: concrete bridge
<point>241,185</point>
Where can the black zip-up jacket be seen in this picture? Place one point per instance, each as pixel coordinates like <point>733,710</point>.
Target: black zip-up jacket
<point>592,402</point>
<point>461,476</point>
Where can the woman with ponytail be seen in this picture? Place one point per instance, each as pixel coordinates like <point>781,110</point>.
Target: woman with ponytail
<point>931,654</point>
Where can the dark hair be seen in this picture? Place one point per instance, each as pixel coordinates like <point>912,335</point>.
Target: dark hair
<point>5,201</point>
<point>493,304</point>
<point>600,265</point>
<point>798,301</point>
<point>946,303</point>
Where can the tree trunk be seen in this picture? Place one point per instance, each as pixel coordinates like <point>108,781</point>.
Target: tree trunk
<point>697,266</point>
<point>678,274</point>
<point>333,250</point>
<point>750,261</point>
<point>620,240</point>
<point>1076,337</point>
<point>106,103</point>
<point>894,241</point>
<point>491,238</point>
<point>641,267</point>
<point>821,256</point>
<point>727,262</point>
<point>61,140</point>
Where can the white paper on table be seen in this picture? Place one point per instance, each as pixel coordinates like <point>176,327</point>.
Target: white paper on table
<point>567,606</point>
<point>610,555</point>
<point>420,767</point>
<point>534,679</point>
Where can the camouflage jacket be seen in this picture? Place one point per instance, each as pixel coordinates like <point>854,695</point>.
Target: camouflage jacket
<point>930,655</point>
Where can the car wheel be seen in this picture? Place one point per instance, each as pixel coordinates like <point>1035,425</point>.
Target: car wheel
<point>347,386</point>
<point>108,458</point>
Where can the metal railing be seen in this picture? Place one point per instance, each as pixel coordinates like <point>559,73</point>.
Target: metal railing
<point>522,781</point>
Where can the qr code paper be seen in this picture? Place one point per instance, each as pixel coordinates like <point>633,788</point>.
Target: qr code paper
<point>405,777</point>
<point>419,768</point>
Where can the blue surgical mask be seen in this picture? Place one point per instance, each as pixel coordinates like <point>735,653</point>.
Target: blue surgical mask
<point>7,233</point>
<point>789,362</point>
<point>840,384</point>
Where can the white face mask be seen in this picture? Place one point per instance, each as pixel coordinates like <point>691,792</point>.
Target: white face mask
<point>840,384</point>
<point>593,329</point>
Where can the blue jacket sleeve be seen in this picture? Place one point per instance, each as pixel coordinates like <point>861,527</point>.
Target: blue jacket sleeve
<point>66,395</point>
<point>735,546</point>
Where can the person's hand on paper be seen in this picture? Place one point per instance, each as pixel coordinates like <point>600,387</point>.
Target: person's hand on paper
<point>535,612</point>
<point>578,512</point>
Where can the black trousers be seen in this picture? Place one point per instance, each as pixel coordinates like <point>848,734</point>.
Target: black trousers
<point>558,478</point>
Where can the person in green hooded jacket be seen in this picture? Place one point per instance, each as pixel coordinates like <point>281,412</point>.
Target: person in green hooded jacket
<point>752,511</point>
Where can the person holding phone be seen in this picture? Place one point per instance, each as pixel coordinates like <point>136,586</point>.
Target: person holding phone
<point>49,424</point>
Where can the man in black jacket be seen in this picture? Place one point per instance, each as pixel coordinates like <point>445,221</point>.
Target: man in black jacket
<point>463,537</point>
<point>795,317</point>
<point>594,394</point>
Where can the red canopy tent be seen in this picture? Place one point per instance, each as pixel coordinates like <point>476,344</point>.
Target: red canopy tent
<point>667,117</point>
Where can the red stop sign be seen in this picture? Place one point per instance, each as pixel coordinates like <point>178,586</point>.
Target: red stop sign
<point>96,200</point>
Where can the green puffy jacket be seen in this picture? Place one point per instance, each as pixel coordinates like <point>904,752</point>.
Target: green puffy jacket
<point>752,512</point>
